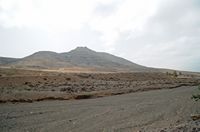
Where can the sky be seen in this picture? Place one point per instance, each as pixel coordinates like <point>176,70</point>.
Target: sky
<point>156,33</point>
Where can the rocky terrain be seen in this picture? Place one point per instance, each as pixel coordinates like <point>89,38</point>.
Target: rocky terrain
<point>166,110</point>
<point>85,90</point>
<point>27,86</point>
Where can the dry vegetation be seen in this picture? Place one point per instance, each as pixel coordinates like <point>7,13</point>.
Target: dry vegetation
<point>155,110</point>
<point>27,86</point>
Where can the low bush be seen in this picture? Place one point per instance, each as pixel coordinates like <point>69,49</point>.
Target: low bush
<point>196,97</point>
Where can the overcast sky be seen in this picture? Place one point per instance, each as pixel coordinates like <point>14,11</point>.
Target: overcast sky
<point>156,33</point>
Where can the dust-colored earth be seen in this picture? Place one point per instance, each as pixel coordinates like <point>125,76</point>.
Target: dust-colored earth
<point>157,110</point>
<point>27,86</point>
<point>33,100</point>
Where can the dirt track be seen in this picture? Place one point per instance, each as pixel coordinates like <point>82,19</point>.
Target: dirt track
<point>151,110</point>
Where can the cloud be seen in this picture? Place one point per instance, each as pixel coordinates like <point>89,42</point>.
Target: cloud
<point>107,9</point>
<point>157,33</point>
<point>48,14</point>
<point>169,38</point>
<point>17,42</point>
<point>130,15</point>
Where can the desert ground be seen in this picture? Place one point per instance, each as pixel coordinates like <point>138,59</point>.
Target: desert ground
<point>27,85</point>
<point>61,101</point>
<point>156,110</point>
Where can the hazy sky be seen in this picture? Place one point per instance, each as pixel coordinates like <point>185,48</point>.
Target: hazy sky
<point>157,33</point>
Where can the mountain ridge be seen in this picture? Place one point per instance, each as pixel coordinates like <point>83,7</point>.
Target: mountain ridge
<point>81,57</point>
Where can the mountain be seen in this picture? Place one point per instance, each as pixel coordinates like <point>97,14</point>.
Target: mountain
<point>81,57</point>
<point>43,60</point>
<point>6,60</point>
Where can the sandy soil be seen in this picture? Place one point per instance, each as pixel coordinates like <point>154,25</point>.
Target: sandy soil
<point>157,110</point>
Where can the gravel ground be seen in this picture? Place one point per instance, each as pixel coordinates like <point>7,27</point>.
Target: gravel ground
<point>157,110</point>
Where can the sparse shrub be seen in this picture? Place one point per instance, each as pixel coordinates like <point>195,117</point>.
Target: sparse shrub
<point>30,85</point>
<point>175,74</point>
<point>84,75</point>
<point>111,78</point>
<point>180,73</point>
<point>68,79</point>
<point>26,83</point>
<point>28,89</point>
<point>66,89</point>
<point>197,96</point>
<point>83,96</point>
<point>83,89</point>
<point>63,89</point>
<point>167,73</point>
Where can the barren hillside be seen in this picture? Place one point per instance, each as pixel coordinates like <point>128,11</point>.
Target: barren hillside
<point>81,57</point>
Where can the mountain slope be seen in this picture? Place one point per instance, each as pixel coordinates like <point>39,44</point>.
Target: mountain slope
<point>42,59</point>
<point>81,57</point>
<point>6,60</point>
<point>84,57</point>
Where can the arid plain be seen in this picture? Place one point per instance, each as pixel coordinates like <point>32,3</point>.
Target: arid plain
<point>95,92</point>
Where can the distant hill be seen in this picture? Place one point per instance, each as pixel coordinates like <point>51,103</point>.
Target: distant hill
<point>6,60</point>
<point>81,57</point>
